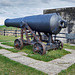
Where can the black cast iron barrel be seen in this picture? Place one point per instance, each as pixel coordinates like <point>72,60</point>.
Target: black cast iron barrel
<point>48,23</point>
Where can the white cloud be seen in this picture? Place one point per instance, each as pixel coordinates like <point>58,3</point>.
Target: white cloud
<point>2,20</point>
<point>5,3</point>
<point>20,8</point>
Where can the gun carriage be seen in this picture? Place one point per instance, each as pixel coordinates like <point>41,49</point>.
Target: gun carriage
<point>38,30</point>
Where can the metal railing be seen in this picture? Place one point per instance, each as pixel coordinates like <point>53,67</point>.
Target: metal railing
<point>10,32</point>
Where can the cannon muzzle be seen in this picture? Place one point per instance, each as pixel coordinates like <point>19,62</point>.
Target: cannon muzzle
<point>63,24</point>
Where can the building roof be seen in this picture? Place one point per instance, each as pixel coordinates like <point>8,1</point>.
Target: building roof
<point>67,9</point>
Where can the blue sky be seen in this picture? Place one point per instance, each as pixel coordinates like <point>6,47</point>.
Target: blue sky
<point>21,8</point>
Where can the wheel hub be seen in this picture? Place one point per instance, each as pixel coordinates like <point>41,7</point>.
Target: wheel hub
<point>39,48</point>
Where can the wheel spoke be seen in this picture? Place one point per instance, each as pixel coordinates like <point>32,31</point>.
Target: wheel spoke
<point>60,44</point>
<point>18,44</point>
<point>39,48</point>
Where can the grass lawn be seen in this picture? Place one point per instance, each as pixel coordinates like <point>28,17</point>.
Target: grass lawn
<point>69,71</point>
<point>8,43</point>
<point>1,47</point>
<point>10,67</point>
<point>50,55</point>
<point>7,38</point>
<point>69,47</point>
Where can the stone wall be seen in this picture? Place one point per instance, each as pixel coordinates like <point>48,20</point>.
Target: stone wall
<point>69,15</point>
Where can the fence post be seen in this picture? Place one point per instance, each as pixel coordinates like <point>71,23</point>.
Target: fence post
<point>15,33</point>
<point>4,32</point>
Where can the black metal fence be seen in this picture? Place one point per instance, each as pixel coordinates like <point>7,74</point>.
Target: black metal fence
<point>17,32</point>
<point>6,32</point>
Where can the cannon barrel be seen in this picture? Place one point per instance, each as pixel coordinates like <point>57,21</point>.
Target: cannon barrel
<point>47,23</point>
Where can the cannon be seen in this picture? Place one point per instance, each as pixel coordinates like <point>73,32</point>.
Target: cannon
<point>39,31</point>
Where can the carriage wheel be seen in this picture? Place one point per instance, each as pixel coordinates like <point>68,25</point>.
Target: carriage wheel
<point>60,44</point>
<point>39,48</point>
<point>18,44</point>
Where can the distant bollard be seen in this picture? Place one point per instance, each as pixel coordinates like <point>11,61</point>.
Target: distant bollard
<point>15,33</point>
<point>4,32</point>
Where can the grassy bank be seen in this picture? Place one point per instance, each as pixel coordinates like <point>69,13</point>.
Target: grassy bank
<point>7,38</point>
<point>3,26</point>
<point>7,28</point>
<point>10,67</point>
<point>69,46</point>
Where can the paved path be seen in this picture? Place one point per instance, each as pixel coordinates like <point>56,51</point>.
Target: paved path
<point>52,67</point>
<point>72,44</point>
